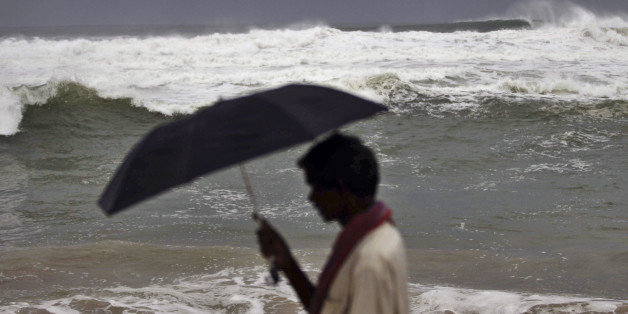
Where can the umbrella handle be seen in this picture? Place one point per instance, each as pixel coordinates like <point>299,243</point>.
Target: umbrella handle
<point>274,269</point>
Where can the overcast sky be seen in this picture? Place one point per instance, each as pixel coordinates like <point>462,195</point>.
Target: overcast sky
<point>274,12</point>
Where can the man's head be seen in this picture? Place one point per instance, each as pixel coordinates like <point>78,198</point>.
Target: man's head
<point>343,166</point>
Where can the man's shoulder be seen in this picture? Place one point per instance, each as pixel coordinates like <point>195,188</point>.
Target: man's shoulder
<point>383,243</point>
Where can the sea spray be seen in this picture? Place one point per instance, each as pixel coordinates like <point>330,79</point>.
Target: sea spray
<point>10,112</point>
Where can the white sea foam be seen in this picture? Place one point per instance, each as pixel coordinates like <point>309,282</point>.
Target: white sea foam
<point>561,13</point>
<point>230,290</point>
<point>434,299</point>
<point>584,59</point>
<point>10,112</point>
<point>247,290</point>
<point>235,204</point>
<point>576,140</point>
<point>573,165</point>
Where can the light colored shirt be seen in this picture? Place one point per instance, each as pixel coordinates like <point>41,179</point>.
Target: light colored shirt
<point>373,279</point>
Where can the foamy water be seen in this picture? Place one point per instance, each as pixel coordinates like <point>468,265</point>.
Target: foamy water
<point>222,293</point>
<point>584,58</point>
<point>226,292</point>
<point>248,289</point>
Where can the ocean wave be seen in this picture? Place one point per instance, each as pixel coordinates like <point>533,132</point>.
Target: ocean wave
<point>250,293</point>
<point>571,166</point>
<point>429,299</point>
<point>243,290</point>
<point>614,35</point>
<point>402,97</point>
<point>246,290</point>
<point>485,26</point>
<point>446,71</point>
<point>560,86</point>
<point>128,276</point>
<point>10,112</point>
<point>68,104</point>
<point>576,140</point>
<point>544,13</point>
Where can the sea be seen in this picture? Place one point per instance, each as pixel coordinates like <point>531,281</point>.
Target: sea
<point>503,155</point>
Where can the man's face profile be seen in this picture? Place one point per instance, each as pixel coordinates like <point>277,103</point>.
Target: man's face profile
<point>328,201</point>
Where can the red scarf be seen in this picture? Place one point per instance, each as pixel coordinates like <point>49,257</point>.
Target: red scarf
<point>348,239</point>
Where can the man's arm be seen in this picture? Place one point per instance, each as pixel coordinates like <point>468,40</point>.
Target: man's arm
<point>300,282</point>
<point>273,245</point>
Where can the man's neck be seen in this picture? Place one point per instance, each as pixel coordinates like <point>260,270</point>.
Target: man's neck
<point>355,206</point>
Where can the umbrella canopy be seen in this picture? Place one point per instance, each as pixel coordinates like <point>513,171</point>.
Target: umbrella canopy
<point>227,133</point>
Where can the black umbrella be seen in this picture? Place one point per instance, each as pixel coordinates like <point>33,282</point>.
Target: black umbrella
<point>229,133</point>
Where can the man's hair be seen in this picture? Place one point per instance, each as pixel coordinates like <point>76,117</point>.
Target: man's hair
<point>342,158</point>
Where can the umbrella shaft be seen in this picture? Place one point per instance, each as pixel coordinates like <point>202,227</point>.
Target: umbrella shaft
<point>274,270</point>
<point>249,187</point>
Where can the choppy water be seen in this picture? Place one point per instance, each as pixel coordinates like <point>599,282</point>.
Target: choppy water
<point>503,156</point>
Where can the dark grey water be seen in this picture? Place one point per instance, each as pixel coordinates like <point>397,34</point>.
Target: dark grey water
<point>525,201</point>
<point>144,31</point>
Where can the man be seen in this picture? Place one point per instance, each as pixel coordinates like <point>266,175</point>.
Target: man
<point>366,272</point>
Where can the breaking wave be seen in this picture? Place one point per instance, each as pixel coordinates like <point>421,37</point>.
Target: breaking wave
<point>575,58</point>
<point>246,291</point>
<point>551,14</point>
<point>470,26</point>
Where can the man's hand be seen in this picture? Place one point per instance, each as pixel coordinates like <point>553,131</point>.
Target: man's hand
<point>272,244</point>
